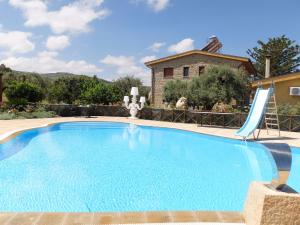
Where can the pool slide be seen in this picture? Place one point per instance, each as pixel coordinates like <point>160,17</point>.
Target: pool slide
<point>256,113</point>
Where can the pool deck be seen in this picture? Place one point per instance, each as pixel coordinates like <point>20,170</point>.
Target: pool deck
<point>120,218</point>
<point>9,128</point>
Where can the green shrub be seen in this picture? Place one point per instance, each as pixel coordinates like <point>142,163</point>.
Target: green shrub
<point>20,93</point>
<point>43,114</point>
<point>7,116</point>
<point>101,93</point>
<point>288,109</point>
<point>29,113</point>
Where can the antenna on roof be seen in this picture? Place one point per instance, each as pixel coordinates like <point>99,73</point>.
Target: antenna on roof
<point>213,45</point>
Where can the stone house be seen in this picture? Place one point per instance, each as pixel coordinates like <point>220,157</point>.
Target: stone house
<point>187,65</point>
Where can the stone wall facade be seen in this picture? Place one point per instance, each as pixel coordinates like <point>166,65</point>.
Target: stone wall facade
<point>192,61</point>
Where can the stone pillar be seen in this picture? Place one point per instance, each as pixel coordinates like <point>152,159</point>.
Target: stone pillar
<point>268,67</point>
<point>266,206</point>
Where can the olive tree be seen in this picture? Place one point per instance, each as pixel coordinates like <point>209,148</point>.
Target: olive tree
<point>217,84</point>
<point>175,89</point>
<point>124,85</point>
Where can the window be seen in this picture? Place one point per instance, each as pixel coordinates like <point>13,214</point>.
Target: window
<point>168,72</point>
<point>186,71</point>
<point>201,69</point>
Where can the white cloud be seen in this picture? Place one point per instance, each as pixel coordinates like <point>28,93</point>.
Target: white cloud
<point>55,43</point>
<point>156,46</point>
<point>119,61</point>
<point>74,17</point>
<point>126,65</point>
<point>182,46</point>
<point>158,5</point>
<point>147,58</point>
<point>16,42</point>
<point>46,62</point>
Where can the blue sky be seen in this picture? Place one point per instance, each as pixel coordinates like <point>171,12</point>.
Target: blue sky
<point>112,38</point>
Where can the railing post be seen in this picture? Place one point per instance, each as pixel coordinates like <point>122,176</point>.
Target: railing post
<point>201,119</point>
<point>173,117</point>
<point>151,114</point>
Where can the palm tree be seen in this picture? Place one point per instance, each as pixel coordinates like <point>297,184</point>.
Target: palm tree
<point>3,70</point>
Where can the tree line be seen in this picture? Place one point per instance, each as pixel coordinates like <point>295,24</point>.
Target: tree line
<point>284,56</point>
<point>22,89</point>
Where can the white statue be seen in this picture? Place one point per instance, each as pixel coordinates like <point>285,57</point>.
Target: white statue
<point>133,106</point>
<point>181,103</point>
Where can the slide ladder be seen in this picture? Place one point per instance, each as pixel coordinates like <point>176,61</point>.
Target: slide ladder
<point>271,116</point>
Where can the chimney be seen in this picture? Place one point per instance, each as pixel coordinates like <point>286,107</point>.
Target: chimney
<point>267,71</point>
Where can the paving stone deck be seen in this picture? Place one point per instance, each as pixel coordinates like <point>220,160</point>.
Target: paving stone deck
<point>119,218</point>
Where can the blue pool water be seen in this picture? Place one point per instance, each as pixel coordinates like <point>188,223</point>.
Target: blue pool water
<point>294,177</point>
<point>123,167</point>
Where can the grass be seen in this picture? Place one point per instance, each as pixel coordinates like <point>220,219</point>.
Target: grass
<point>37,113</point>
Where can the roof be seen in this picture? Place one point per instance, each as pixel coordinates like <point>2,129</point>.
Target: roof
<point>246,61</point>
<point>277,79</point>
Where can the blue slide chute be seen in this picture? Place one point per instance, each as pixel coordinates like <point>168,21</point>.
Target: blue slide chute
<point>257,111</point>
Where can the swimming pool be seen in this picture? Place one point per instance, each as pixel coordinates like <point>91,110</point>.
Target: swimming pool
<point>294,177</point>
<point>104,166</point>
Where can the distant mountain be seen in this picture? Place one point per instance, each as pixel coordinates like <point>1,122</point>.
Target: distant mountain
<point>53,76</point>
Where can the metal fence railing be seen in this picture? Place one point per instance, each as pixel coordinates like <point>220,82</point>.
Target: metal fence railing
<point>230,120</point>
